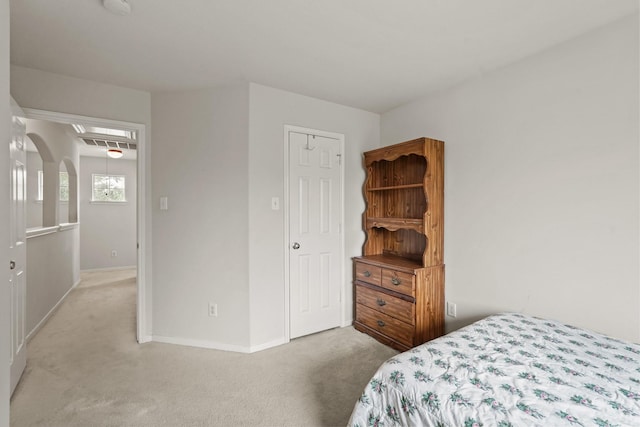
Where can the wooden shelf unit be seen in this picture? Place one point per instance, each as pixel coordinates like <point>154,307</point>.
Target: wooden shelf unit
<point>404,223</point>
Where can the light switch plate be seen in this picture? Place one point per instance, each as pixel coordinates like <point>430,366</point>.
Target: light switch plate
<point>451,310</point>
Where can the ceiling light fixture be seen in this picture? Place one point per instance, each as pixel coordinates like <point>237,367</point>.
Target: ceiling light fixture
<point>119,7</point>
<point>114,153</point>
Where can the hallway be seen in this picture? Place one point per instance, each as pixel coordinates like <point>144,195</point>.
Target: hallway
<point>71,357</point>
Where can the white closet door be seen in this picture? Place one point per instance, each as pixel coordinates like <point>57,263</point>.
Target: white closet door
<point>315,248</point>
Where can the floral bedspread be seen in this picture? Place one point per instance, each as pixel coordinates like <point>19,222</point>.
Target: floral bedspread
<point>507,370</point>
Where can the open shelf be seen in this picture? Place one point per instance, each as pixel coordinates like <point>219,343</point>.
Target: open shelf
<point>404,193</point>
<point>392,261</point>
<point>393,224</point>
<point>396,187</point>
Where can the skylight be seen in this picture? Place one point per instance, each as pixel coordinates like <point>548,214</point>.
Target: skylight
<point>112,132</point>
<point>105,131</point>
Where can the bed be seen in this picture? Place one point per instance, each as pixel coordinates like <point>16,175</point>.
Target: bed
<point>508,369</point>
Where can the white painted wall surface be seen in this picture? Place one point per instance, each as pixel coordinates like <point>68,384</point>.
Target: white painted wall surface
<point>542,183</point>
<point>270,110</point>
<point>53,268</point>
<point>54,92</point>
<point>200,243</point>
<point>105,227</point>
<point>62,146</point>
<point>34,207</point>
<point>5,135</point>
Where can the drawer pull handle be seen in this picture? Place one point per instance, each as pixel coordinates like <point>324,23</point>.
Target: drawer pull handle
<point>395,281</point>
<point>380,323</point>
<point>381,302</point>
<point>366,273</point>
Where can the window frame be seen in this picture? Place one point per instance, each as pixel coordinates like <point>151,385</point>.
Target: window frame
<point>93,188</point>
<point>40,195</point>
<point>60,187</point>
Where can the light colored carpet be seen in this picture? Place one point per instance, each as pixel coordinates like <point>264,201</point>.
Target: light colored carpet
<point>84,368</point>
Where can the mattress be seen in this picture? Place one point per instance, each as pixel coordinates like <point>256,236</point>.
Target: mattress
<point>508,369</point>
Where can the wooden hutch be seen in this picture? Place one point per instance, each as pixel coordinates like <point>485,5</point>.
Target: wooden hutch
<point>399,281</point>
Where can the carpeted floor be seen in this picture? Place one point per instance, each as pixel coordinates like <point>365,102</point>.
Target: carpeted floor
<point>85,369</point>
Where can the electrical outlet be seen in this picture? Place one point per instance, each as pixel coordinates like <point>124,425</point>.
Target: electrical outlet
<point>213,310</point>
<point>451,309</point>
<point>114,253</point>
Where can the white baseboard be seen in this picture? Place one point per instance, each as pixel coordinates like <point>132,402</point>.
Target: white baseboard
<point>267,345</point>
<point>44,320</point>
<point>201,344</point>
<point>91,270</point>
<point>213,345</point>
<point>144,339</point>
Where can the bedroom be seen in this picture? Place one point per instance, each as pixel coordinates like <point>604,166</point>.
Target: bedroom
<point>572,109</point>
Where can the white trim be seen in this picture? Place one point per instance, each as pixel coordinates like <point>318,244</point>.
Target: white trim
<point>91,270</point>
<point>213,345</point>
<point>68,226</point>
<point>41,231</point>
<point>109,176</point>
<point>267,345</point>
<point>144,288</point>
<point>145,338</point>
<point>52,116</point>
<point>45,319</point>
<point>287,286</point>
<point>105,202</point>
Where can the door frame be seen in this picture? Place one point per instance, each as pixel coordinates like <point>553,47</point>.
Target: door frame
<point>143,288</point>
<point>285,207</point>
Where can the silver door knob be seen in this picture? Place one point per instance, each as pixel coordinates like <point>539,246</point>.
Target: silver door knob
<point>12,265</point>
<point>296,245</point>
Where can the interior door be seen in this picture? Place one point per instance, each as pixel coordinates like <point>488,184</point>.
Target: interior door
<point>17,249</point>
<point>315,233</point>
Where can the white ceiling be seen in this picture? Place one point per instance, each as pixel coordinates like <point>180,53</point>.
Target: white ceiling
<point>369,54</point>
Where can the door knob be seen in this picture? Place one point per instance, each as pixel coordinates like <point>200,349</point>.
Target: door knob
<point>296,245</point>
<point>12,265</point>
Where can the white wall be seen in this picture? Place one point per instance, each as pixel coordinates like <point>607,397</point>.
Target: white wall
<point>105,227</point>
<point>218,157</point>
<point>53,268</point>
<point>34,207</point>
<point>200,243</point>
<point>542,183</point>
<point>5,135</point>
<point>54,92</point>
<point>270,110</point>
<point>62,147</point>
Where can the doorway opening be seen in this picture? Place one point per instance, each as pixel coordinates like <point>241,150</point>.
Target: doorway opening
<point>109,190</point>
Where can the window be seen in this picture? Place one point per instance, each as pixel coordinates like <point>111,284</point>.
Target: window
<point>108,188</point>
<point>64,186</point>
<point>40,186</point>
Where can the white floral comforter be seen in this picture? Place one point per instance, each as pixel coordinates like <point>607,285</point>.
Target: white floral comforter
<point>507,370</point>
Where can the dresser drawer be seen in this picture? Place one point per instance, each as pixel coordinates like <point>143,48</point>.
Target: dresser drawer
<point>398,281</point>
<point>368,273</point>
<point>387,304</point>
<point>387,325</point>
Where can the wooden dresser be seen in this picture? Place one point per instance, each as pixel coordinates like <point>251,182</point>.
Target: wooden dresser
<point>399,280</point>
